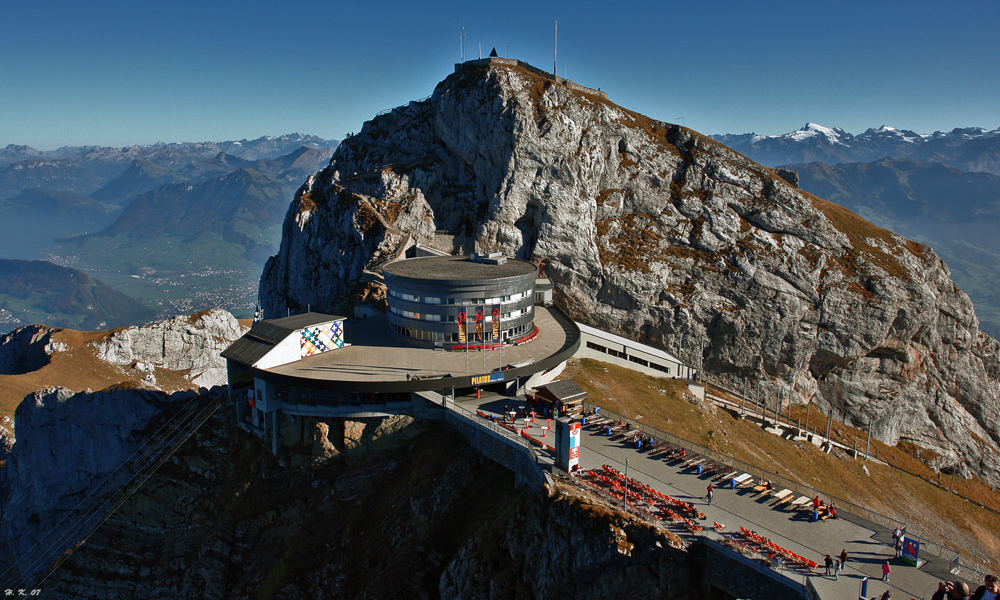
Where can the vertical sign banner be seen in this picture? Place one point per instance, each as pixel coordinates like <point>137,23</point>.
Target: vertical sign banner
<point>911,550</point>
<point>479,322</point>
<point>573,458</point>
<point>461,325</point>
<point>496,322</point>
<point>567,443</point>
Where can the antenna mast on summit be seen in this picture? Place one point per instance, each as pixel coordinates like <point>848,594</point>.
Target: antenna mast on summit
<point>462,37</point>
<point>555,50</point>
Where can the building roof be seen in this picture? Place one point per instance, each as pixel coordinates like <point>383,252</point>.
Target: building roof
<point>451,268</point>
<point>248,350</point>
<point>265,335</point>
<point>565,391</point>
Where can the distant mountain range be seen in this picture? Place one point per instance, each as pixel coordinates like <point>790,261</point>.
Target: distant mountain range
<point>169,155</point>
<point>87,169</point>
<point>968,149</point>
<point>243,207</point>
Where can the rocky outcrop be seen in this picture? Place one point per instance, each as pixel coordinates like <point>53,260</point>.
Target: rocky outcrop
<point>6,436</point>
<point>68,445</point>
<point>26,349</point>
<point>190,343</point>
<point>655,232</point>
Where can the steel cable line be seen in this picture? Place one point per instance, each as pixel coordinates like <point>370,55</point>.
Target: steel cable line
<point>96,498</point>
<point>143,455</point>
<point>142,476</point>
<point>109,497</point>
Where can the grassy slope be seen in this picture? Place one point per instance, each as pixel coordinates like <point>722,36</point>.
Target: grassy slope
<point>902,491</point>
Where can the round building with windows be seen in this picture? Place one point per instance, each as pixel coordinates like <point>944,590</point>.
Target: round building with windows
<point>449,301</point>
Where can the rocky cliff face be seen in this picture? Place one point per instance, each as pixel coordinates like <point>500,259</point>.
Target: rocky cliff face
<point>26,349</point>
<point>68,444</point>
<point>655,232</point>
<point>190,343</point>
<point>415,514</point>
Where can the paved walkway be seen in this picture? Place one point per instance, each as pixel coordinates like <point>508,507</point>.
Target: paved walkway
<point>867,545</point>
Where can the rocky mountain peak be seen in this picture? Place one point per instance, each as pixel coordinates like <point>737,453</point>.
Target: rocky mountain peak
<point>656,232</point>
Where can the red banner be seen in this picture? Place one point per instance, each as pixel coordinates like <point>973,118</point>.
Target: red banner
<point>496,321</point>
<point>461,325</point>
<point>479,322</point>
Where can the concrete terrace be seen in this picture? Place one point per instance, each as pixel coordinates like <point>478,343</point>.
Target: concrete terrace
<point>374,357</point>
<point>867,544</point>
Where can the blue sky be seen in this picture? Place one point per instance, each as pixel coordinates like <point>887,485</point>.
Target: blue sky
<point>138,72</point>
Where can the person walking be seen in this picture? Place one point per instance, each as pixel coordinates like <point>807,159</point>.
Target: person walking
<point>710,495</point>
<point>843,558</point>
<point>886,569</point>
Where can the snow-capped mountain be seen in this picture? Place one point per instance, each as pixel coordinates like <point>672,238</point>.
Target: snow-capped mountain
<point>968,148</point>
<point>814,130</point>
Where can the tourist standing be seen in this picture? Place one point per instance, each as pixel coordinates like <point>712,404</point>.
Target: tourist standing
<point>829,564</point>
<point>952,590</point>
<point>990,590</point>
<point>886,569</point>
<point>843,558</point>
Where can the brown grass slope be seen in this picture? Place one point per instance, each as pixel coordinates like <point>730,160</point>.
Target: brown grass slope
<point>78,368</point>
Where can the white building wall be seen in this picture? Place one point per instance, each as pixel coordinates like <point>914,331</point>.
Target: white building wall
<point>284,352</point>
<point>540,379</point>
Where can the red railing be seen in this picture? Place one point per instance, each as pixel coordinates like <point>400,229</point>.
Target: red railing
<point>495,345</point>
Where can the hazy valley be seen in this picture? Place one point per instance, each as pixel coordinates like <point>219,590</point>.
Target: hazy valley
<point>176,227</point>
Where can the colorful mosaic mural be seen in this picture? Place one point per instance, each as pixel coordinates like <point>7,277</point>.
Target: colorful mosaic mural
<point>321,338</point>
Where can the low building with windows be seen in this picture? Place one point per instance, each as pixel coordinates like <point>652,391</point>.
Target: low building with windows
<point>615,349</point>
<point>455,325</point>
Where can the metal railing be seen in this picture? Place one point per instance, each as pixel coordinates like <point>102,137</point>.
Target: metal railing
<point>930,546</point>
<point>389,110</point>
<point>939,550</point>
<point>520,442</point>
